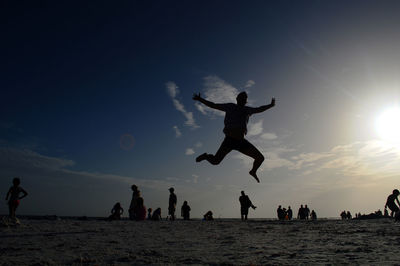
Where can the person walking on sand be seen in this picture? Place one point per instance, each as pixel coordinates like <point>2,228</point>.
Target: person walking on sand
<point>245,204</point>
<point>391,202</point>
<point>13,197</point>
<point>236,119</point>
<point>172,204</point>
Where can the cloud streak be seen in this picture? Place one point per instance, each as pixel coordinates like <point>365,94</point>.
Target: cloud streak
<point>216,90</point>
<point>178,133</point>
<point>173,92</point>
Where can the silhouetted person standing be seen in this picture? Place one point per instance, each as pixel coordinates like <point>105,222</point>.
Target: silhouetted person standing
<point>185,211</point>
<point>236,119</point>
<point>306,211</point>
<point>132,206</point>
<point>13,197</point>
<point>290,213</point>
<point>391,202</point>
<point>301,214</point>
<point>172,204</point>
<point>280,213</point>
<point>245,204</point>
<point>140,210</point>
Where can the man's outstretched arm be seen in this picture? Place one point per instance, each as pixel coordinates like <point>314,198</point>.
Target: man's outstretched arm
<point>197,97</point>
<point>264,107</point>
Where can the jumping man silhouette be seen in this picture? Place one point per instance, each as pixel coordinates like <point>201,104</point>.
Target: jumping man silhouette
<point>236,119</point>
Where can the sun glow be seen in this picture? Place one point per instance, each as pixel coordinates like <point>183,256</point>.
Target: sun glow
<point>388,126</point>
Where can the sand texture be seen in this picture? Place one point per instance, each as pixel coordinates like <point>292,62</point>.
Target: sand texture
<point>94,242</point>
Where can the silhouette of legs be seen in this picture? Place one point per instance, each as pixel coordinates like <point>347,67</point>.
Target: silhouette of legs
<point>254,153</point>
<point>241,145</point>
<point>216,159</point>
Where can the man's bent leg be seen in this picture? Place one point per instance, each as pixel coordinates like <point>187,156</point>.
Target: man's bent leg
<point>251,151</point>
<point>223,150</point>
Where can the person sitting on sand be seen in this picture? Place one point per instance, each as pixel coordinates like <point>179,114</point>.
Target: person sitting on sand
<point>116,212</point>
<point>14,198</point>
<point>172,204</point>
<point>156,215</point>
<point>313,215</point>
<point>208,216</point>
<point>245,204</point>
<point>343,215</point>
<point>236,119</point>
<point>185,211</point>
<point>135,195</point>
<point>391,202</point>
<point>140,210</point>
<point>149,210</point>
<point>348,215</point>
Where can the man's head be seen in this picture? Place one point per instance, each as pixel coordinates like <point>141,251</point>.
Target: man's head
<point>242,192</point>
<point>241,98</point>
<point>171,189</point>
<point>396,192</point>
<point>16,181</point>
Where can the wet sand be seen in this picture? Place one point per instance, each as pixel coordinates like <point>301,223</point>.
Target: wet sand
<point>95,242</point>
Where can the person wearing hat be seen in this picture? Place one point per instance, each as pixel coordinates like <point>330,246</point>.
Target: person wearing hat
<point>236,119</point>
<point>172,204</point>
<point>391,202</point>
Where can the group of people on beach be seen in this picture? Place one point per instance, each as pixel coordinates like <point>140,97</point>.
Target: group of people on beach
<point>138,212</point>
<point>303,213</point>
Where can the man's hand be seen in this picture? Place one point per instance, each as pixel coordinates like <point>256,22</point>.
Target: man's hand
<point>272,102</point>
<point>196,97</point>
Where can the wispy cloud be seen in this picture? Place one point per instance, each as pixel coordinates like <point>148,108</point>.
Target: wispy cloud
<point>250,83</point>
<point>27,163</point>
<point>195,178</point>
<point>173,92</point>
<point>178,133</point>
<point>198,145</point>
<point>189,151</point>
<point>216,90</point>
<point>255,129</point>
<point>373,158</point>
<point>269,136</point>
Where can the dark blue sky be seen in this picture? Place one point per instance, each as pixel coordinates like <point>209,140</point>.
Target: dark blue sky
<point>76,76</point>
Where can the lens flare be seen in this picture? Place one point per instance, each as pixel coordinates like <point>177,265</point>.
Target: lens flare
<point>126,142</point>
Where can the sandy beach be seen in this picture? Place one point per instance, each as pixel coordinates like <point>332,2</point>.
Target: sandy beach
<point>95,242</point>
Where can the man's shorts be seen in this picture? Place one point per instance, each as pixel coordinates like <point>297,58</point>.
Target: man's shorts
<point>244,211</point>
<point>13,203</point>
<point>230,144</point>
<point>393,207</point>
